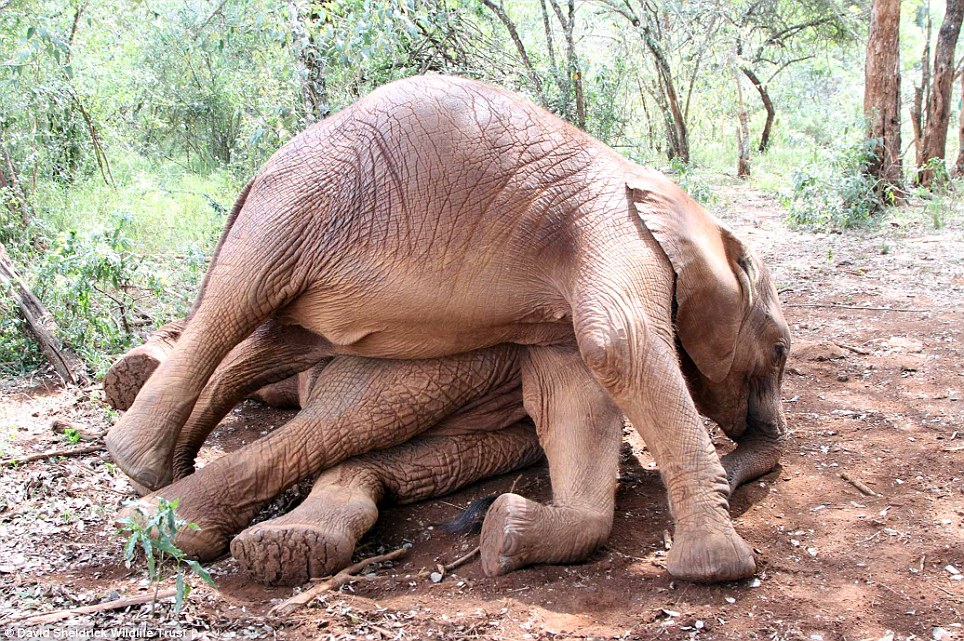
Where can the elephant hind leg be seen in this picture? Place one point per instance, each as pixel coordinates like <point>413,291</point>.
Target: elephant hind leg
<point>319,536</point>
<point>127,375</point>
<point>580,429</point>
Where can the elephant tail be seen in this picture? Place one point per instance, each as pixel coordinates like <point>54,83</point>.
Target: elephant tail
<point>229,223</point>
<point>470,520</point>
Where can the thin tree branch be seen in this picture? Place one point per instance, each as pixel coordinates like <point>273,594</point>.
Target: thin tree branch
<point>520,48</point>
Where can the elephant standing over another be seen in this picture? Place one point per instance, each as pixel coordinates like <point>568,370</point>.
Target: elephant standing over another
<point>439,216</point>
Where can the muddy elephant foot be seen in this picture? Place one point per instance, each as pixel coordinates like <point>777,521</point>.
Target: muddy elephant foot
<point>292,553</point>
<point>314,540</point>
<point>127,376</point>
<point>706,555</point>
<point>519,532</point>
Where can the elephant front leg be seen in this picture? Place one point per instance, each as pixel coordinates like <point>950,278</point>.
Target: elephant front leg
<point>273,353</point>
<point>318,537</point>
<point>580,430</point>
<point>637,366</point>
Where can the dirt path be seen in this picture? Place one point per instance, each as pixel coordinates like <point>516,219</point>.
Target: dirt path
<point>874,390</point>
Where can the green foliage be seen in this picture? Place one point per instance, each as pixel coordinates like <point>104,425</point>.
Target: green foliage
<point>691,182</point>
<point>71,435</point>
<point>153,536</point>
<point>128,127</point>
<point>833,191</point>
<point>938,209</point>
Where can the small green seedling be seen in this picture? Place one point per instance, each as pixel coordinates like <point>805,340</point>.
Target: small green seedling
<point>72,436</point>
<point>154,535</point>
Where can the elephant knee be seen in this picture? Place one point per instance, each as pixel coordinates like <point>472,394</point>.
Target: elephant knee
<point>610,346</point>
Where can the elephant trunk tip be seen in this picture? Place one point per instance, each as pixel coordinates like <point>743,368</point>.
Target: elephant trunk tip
<point>755,455</point>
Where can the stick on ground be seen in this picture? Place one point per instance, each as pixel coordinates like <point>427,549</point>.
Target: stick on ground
<point>851,348</point>
<point>462,560</point>
<point>59,615</point>
<point>857,484</point>
<point>99,447</point>
<point>348,574</point>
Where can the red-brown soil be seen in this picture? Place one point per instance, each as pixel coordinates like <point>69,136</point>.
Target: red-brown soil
<point>873,390</point>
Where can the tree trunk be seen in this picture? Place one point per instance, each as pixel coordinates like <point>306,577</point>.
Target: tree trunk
<point>309,64</point>
<point>677,134</point>
<point>551,49</point>
<point>938,106</point>
<point>959,165</point>
<point>742,132</point>
<point>9,180</point>
<point>882,95</point>
<point>519,47</point>
<point>41,324</point>
<point>767,104</point>
<point>573,72</point>
<point>921,95</point>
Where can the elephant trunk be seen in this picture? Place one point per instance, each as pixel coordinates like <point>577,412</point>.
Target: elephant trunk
<point>759,448</point>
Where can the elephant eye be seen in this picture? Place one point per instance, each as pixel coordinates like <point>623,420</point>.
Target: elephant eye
<point>779,352</point>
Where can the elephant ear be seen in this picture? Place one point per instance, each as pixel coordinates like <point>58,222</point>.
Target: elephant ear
<point>712,272</point>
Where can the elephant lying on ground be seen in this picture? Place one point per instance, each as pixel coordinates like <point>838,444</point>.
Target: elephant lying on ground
<point>440,216</point>
<point>469,406</point>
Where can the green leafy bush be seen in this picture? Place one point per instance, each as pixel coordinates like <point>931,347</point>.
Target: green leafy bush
<point>91,282</point>
<point>153,535</point>
<point>832,191</point>
<point>687,178</point>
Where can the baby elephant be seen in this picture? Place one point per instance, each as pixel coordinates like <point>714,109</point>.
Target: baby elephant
<point>441,216</point>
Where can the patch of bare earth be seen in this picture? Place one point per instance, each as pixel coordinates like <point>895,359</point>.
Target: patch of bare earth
<point>873,391</point>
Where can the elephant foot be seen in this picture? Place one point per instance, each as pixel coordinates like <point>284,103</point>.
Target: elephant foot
<point>145,465</point>
<point>707,555</point>
<point>314,540</point>
<point>127,376</point>
<point>519,532</point>
<point>292,554</point>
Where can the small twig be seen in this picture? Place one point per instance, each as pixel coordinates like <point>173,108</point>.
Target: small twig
<point>851,348</point>
<point>58,615</point>
<point>957,597</point>
<point>869,309</point>
<point>667,540</point>
<point>462,560</point>
<point>514,483</point>
<point>859,485</point>
<point>99,447</point>
<point>348,574</point>
<point>60,426</point>
<point>957,448</point>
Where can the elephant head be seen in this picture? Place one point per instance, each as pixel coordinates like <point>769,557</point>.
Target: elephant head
<point>732,338</point>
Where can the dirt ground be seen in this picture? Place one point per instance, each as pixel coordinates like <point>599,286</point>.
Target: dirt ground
<point>873,390</point>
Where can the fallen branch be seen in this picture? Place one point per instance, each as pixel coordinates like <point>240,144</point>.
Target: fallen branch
<point>956,448</point>
<point>851,348</point>
<point>99,447</point>
<point>345,576</point>
<point>60,426</point>
<point>117,604</point>
<point>859,485</point>
<point>462,560</point>
<point>869,309</point>
<point>40,323</point>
